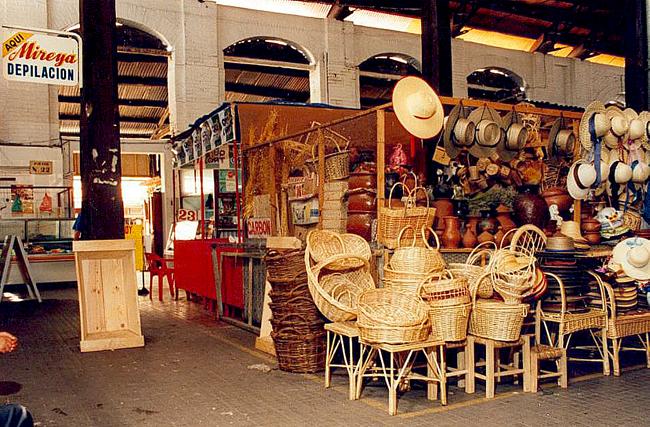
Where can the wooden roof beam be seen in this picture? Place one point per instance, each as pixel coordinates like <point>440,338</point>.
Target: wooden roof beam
<point>126,102</point>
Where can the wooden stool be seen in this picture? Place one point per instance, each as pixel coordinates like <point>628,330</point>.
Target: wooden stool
<point>462,363</point>
<point>337,333</point>
<point>492,371</point>
<point>546,352</point>
<point>393,375</point>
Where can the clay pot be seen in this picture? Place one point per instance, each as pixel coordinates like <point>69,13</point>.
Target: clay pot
<point>593,237</point>
<point>558,196</point>
<point>472,223</point>
<point>530,208</point>
<point>488,222</point>
<point>590,225</point>
<point>469,238</point>
<point>444,207</point>
<point>363,180</point>
<point>485,237</point>
<point>361,224</point>
<point>451,236</point>
<point>504,218</point>
<point>362,202</point>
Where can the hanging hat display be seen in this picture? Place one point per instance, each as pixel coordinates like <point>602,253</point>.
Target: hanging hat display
<point>619,127</point>
<point>635,130</point>
<point>488,131</point>
<point>644,116</point>
<point>514,138</point>
<point>561,140</point>
<point>594,121</point>
<point>418,107</point>
<point>580,178</point>
<point>459,132</point>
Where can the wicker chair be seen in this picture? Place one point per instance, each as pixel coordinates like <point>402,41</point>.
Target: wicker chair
<point>594,321</point>
<point>621,326</point>
<point>528,239</point>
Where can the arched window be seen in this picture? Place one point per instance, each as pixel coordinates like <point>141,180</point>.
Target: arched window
<point>142,89</point>
<point>378,74</point>
<point>496,84</point>
<point>264,69</point>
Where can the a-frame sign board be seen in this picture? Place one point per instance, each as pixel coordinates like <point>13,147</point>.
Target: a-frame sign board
<point>16,243</point>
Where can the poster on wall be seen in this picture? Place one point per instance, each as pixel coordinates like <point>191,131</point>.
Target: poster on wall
<point>22,199</point>
<point>206,136</point>
<point>220,158</point>
<point>228,181</point>
<point>197,143</point>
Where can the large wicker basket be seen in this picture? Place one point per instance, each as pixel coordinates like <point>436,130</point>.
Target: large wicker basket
<point>443,289</point>
<point>391,220</point>
<point>392,317</point>
<point>299,353</point>
<point>417,259</point>
<point>449,323</point>
<point>497,320</point>
<point>402,280</point>
<point>336,293</point>
<point>324,244</point>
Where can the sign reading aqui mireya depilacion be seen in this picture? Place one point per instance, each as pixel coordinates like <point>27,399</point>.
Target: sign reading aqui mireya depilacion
<point>40,56</point>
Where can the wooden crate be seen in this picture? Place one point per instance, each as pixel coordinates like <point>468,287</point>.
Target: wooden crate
<point>108,295</point>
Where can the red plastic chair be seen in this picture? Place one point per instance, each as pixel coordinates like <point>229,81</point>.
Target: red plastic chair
<point>158,267</point>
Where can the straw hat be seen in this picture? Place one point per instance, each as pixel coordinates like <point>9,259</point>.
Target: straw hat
<point>580,178</point>
<point>560,244</point>
<point>619,126</point>
<point>417,107</point>
<point>572,229</point>
<point>619,172</point>
<point>640,172</point>
<point>635,129</point>
<point>488,131</point>
<point>515,137</point>
<point>459,132</point>
<point>634,257</point>
<point>601,123</point>
<point>561,139</point>
<point>644,116</point>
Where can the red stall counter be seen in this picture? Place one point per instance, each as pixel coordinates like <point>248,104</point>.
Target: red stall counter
<point>194,272</point>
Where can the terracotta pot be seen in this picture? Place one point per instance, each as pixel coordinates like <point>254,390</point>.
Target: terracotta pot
<point>485,237</point>
<point>472,223</point>
<point>593,237</point>
<point>451,236</point>
<point>444,208</point>
<point>488,221</point>
<point>362,180</point>
<point>504,218</point>
<point>558,196</point>
<point>362,202</point>
<point>530,208</point>
<point>590,225</point>
<point>469,238</point>
<point>361,224</point>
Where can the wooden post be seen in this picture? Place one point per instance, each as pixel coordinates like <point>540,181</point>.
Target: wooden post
<point>381,159</point>
<point>636,55</point>
<point>321,178</point>
<point>577,204</point>
<point>101,171</point>
<point>436,45</point>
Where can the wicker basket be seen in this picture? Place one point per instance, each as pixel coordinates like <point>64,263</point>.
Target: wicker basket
<point>324,244</point>
<point>336,294</point>
<point>632,220</point>
<point>337,163</point>
<point>402,280</point>
<point>391,220</point>
<point>300,354</point>
<point>497,320</point>
<point>449,323</point>
<point>443,290</point>
<point>284,265</point>
<point>392,317</point>
<point>415,259</point>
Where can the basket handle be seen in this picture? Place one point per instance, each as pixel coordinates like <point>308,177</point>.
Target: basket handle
<point>413,195</point>
<point>426,241</point>
<point>338,257</point>
<point>478,250</point>
<point>390,195</point>
<point>444,274</point>
<point>401,234</point>
<point>329,233</point>
<point>414,176</point>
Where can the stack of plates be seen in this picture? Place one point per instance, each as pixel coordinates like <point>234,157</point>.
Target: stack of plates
<point>565,265</point>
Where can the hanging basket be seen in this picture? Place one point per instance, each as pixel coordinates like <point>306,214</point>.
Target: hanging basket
<point>392,220</point>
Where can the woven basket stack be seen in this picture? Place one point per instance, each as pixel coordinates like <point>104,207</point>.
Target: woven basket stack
<point>298,332</point>
<point>448,305</point>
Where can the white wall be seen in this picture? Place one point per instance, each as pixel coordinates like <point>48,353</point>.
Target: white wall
<point>197,34</point>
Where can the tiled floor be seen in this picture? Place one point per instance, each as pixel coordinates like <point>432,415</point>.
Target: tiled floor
<point>194,371</point>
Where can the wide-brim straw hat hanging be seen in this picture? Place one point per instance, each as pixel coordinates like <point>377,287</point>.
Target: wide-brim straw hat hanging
<point>644,116</point>
<point>418,107</point>
<point>561,140</point>
<point>489,125</point>
<point>594,118</point>
<point>635,130</point>
<point>581,177</point>
<point>619,127</point>
<point>459,132</point>
<point>514,138</point>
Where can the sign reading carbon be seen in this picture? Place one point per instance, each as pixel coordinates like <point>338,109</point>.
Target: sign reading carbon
<point>41,56</point>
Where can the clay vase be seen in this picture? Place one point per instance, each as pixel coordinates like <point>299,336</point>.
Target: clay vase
<point>558,196</point>
<point>472,223</point>
<point>485,237</point>
<point>451,236</point>
<point>530,208</point>
<point>469,238</point>
<point>444,207</point>
<point>488,221</point>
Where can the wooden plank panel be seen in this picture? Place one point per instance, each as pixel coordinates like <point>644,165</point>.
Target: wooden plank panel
<point>114,301</point>
<point>93,295</point>
<point>130,285</point>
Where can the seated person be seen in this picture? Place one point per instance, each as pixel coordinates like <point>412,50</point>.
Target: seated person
<point>12,415</point>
